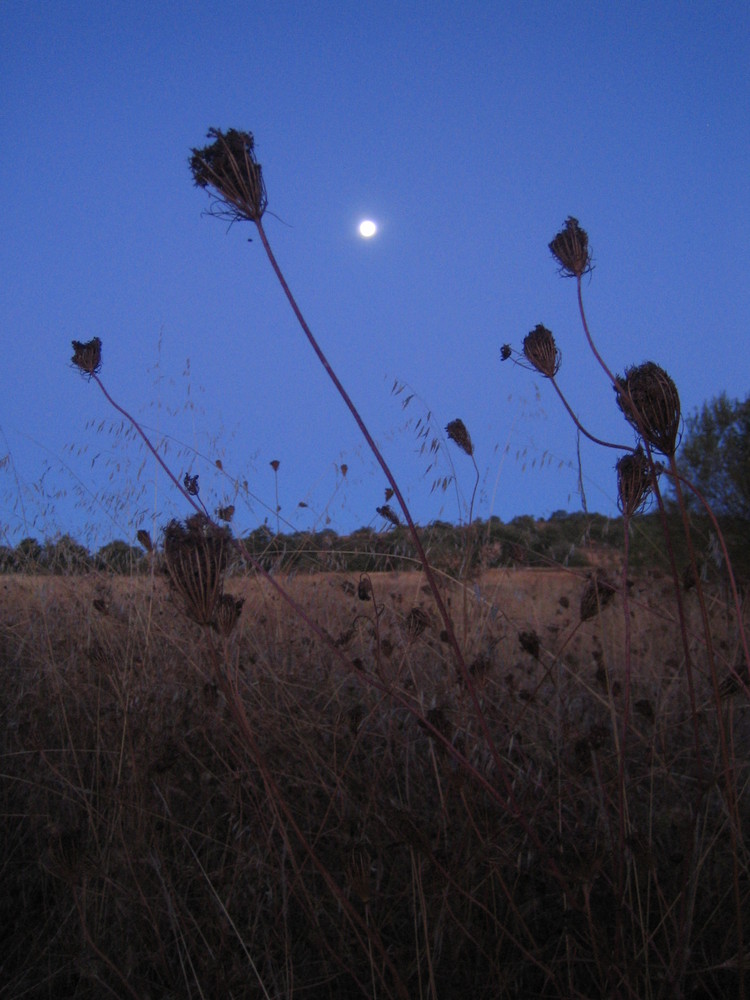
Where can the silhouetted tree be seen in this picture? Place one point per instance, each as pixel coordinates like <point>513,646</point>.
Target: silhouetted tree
<point>715,454</point>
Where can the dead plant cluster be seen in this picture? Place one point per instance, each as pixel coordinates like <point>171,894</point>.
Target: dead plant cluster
<point>148,851</point>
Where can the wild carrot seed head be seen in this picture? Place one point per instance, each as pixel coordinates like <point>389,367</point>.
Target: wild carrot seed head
<point>650,402</point>
<point>229,167</point>
<point>635,480</point>
<point>457,432</point>
<point>541,352</point>
<point>87,357</point>
<point>570,248</point>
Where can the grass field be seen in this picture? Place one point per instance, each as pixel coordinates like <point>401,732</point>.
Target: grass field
<point>290,813</point>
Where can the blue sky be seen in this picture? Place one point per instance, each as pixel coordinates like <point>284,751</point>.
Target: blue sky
<point>468,131</point>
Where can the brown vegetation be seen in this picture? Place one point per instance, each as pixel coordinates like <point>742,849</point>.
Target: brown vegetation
<point>150,849</point>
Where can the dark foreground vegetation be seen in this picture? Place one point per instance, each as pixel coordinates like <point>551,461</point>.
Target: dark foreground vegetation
<point>333,818</point>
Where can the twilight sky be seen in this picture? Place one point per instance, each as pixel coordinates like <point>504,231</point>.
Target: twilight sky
<point>468,131</point>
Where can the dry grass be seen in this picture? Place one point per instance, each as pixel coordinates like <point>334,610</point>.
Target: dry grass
<point>360,837</point>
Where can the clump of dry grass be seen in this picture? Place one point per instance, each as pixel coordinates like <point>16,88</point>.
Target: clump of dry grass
<point>149,853</point>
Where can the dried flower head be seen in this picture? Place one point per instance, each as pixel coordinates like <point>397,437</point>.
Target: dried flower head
<point>364,588</point>
<point>649,399</point>
<point>597,594</point>
<point>229,167</point>
<point>191,485</point>
<point>416,622</point>
<point>145,539</point>
<point>635,480</point>
<point>227,615</point>
<point>87,357</point>
<point>456,431</point>
<point>571,249</point>
<point>541,352</point>
<point>389,514</point>
<point>196,553</point>
<point>225,513</point>
<point>506,352</point>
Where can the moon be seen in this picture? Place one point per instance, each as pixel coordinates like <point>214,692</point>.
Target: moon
<point>367,229</point>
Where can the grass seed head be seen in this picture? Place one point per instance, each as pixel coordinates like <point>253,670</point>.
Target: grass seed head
<point>228,166</point>
<point>541,352</point>
<point>650,402</point>
<point>456,431</point>
<point>87,357</point>
<point>571,249</point>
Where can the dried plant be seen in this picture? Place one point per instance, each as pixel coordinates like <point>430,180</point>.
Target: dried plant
<point>541,352</point>
<point>635,479</point>
<point>456,431</point>
<point>87,357</point>
<point>228,167</point>
<point>570,247</point>
<point>389,514</point>
<point>195,557</point>
<point>650,402</point>
<point>227,614</point>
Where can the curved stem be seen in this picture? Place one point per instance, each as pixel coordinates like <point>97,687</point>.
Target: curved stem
<point>581,428</point>
<point>590,339</point>
<point>371,444</point>
<point>190,499</point>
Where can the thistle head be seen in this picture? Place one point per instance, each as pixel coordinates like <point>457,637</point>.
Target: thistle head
<point>87,357</point>
<point>650,402</point>
<point>456,431</point>
<point>541,352</point>
<point>228,166</point>
<point>570,248</point>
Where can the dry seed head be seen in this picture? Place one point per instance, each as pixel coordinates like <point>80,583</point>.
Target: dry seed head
<point>229,167</point>
<point>456,431</point>
<point>191,485</point>
<point>571,249</point>
<point>389,514</point>
<point>635,479</point>
<point>649,399</point>
<point>597,594</point>
<point>225,513</point>
<point>541,352</point>
<point>145,539</point>
<point>196,553</point>
<point>88,357</point>
<point>416,622</point>
<point>228,611</point>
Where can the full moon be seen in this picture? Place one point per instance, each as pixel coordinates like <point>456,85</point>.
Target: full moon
<point>367,229</point>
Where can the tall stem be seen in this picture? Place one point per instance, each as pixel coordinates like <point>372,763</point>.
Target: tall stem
<point>371,444</point>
